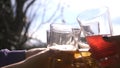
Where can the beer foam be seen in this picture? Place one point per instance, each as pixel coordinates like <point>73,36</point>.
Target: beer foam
<point>61,28</point>
<point>84,49</point>
<point>64,47</point>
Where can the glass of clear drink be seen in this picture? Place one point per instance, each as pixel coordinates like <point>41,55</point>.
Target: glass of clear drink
<point>97,32</point>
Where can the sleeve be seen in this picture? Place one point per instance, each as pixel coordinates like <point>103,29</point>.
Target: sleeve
<point>8,57</point>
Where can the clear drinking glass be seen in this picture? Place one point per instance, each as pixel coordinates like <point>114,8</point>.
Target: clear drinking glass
<point>96,31</point>
<point>95,16</point>
<point>64,38</point>
<point>60,34</point>
<point>60,38</point>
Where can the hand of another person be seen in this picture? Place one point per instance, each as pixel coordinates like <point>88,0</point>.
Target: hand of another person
<point>38,60</point>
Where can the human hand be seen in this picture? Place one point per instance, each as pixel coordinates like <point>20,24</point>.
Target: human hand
<point>38,60</point>
<point>42,59</point>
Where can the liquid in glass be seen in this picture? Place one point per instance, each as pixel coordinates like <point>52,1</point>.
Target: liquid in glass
<point>105,49</point>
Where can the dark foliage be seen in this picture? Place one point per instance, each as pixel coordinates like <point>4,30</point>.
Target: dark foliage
<point>11,26</point>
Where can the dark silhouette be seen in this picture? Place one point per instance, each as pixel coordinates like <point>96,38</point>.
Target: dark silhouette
<point>12,25</point>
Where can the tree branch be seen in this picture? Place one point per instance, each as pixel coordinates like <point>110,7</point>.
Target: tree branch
<point>29,5</point>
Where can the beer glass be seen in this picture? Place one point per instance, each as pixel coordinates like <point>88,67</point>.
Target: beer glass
<point>60,38</point>
<point>64,38</point>
<point>95,20</point>
<point>97,33</point>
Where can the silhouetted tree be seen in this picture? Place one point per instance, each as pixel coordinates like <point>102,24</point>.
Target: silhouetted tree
<point>12,23</point>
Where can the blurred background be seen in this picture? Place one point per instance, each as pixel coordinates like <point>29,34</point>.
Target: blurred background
<point>23,23</point>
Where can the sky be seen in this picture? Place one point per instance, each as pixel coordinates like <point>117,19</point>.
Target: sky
<point>71,10</point>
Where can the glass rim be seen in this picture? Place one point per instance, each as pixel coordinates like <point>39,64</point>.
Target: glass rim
<point>92,13</point>
<point>60,28</point>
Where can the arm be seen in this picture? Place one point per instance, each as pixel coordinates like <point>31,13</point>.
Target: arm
<point>9,57</point>
<point>41,60</point>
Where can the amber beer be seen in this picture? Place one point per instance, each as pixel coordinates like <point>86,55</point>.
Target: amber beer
<point>69,57</point>
<point>64,58</point>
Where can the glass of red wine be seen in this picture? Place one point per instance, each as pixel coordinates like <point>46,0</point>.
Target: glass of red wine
<point>97,32</point>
